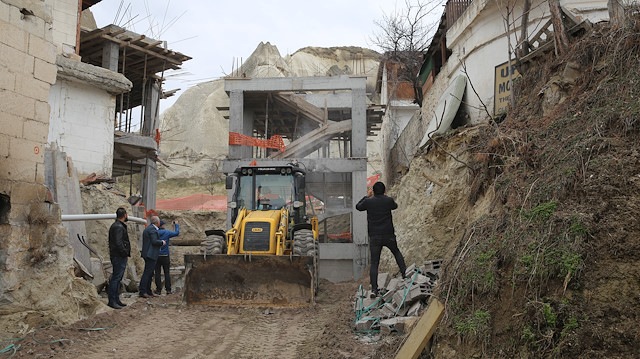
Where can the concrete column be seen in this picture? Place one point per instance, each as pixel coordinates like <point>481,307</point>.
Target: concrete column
<point>151,121</point>
<point>148,182</point>
<point>359,123</point>
<point>359,224</point>
<point>247,130</point>
<point>236,120</point>
<point>110,53</point>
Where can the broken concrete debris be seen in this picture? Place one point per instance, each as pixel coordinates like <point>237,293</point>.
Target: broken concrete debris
<point>400,301</point>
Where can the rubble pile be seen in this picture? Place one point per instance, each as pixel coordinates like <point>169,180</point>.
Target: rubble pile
<point>399,302</point>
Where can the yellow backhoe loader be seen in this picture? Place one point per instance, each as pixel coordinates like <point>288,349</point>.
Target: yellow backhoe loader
<point>269,257</point>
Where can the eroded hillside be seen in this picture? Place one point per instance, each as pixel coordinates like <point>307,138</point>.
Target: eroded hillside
<point>536,216</point>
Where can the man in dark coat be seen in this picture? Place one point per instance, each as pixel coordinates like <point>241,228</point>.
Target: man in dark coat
<point>119,250</point>
<point>380,228</point>
<point>151,244</point>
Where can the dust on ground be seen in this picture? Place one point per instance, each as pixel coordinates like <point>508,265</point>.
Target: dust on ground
<point>163,327</point>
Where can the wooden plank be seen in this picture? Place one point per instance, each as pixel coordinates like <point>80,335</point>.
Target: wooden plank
<point>141,49</point>
<point>423,331</point>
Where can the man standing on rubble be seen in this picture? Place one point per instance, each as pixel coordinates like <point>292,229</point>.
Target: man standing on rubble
<point>119,250</point>
<point>380,228</point>
<point>151,244</point>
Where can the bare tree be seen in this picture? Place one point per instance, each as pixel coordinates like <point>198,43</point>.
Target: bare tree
<point>404,36</point>
<point>561,39</point>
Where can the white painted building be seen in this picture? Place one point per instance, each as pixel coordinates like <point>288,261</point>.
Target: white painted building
<point>479,39</point>
<point>82,99</point>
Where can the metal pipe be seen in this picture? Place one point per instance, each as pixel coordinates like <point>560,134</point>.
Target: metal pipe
<point>90,217</point>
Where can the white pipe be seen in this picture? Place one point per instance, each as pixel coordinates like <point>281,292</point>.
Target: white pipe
<point>90,217</point>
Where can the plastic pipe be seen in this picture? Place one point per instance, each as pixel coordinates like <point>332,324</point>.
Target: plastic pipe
<point>90,217</point>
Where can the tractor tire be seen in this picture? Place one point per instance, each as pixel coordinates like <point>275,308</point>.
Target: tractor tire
<point>213,244</point>
<point>303,243</point>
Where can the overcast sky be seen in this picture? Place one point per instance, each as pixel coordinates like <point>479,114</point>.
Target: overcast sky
<point>213,32</point>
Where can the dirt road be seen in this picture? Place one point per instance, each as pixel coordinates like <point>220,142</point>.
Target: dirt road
<point>162,327</point>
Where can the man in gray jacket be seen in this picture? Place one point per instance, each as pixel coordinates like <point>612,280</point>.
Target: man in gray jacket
<point>151,244</point>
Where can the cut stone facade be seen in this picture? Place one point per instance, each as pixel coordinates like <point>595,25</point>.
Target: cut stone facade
<point>36,259</point>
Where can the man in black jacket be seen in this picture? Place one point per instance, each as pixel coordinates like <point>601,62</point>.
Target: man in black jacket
<point>381,231</point>
<point>119,250</point>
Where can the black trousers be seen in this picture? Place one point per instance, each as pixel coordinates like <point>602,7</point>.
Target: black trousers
<point>147,274</point>
<point>375,244</point>
<point>163,263</point>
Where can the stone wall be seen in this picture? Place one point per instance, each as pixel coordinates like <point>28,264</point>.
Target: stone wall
<point>406,146</point>
<point>36,260</point>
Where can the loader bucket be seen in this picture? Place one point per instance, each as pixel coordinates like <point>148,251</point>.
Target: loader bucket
<point>222,279</point>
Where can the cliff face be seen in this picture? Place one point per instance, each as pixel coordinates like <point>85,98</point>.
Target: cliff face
<point>195,133</point>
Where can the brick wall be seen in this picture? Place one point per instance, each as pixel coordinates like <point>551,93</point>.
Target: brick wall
<point>27,71</point>
<point>65,25</point>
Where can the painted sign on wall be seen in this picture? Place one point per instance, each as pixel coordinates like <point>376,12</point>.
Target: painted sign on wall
<point>502,86</point>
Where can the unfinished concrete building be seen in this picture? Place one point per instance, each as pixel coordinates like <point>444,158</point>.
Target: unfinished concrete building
<point>325,122</point>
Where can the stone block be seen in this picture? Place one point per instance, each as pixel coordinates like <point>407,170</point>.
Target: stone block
<point>404,324</point>
<point>388,310</point>
<point>418,292</point>
<point>364,324</point>
<point>4,145</point>
<point>383,279</point>
<point>393,284</point>
<point>432,265</point>
<point>7,79</point>
<point>411,270</point>
<point>365,303</point>
<point>34,88</point>
<point>25,193</point>
<point>415,308</point>
<point>35,131</point>
<point>99,279</point>
<point>16,104</point>
<point>387,326</point>
<point>42,112</point>
<point>4,12</point>
<point>12,125</point>
<point>13,36</point>
<point>17,169</point>
<point>23,149</point>
<point>42,49</point>
<point>387,296</point>
<point>45,71</point>
<point>40,173</point>
<point>19,214</point>
<point>419,279</point>
<point>15,60</point>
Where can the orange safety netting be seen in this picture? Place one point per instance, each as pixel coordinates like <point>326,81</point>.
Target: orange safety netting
<point>196,201</point>
<point>275,141</point>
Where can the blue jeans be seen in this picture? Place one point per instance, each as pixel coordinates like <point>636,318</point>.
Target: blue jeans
<point>147,275</point>
<point>119,265</point>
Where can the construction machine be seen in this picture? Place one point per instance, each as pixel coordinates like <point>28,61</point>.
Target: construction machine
<point>269,256</point>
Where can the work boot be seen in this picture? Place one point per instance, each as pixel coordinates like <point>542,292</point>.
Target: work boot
<point>114,305</point>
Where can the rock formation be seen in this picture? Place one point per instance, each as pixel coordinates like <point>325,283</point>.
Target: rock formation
<point>195,133</point>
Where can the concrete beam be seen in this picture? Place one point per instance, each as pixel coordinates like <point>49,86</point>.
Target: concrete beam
<point>334,100</point>
<point>145,142</point>
<point>336,250</point>
<point>310,164</point>
<point>73,70</point>
<point>296,84</point>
